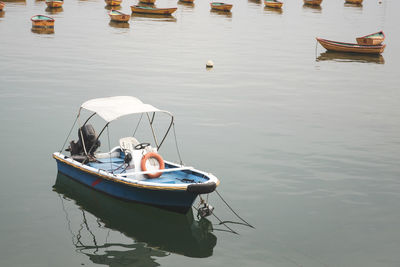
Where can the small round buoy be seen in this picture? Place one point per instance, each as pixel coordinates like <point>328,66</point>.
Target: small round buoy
<point>210,64</point>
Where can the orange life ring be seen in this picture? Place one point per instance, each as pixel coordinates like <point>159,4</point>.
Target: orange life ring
<point>160,162</point>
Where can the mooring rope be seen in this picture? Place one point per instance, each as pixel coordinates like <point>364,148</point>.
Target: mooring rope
<point>230,229</point>
<point>237,215</point>
<point>176,145</point>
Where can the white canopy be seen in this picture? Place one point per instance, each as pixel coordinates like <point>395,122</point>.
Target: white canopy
<point>111,108</point>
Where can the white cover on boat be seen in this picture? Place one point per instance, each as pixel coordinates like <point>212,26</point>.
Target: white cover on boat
<point>111,108</point>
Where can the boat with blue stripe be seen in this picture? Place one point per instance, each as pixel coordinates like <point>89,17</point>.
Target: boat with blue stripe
<point>131,171</point>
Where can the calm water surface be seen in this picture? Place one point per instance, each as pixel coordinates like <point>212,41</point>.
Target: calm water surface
<point>306,143</point>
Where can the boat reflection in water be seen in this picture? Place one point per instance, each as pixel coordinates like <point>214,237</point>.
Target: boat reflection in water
<point>227,14</point>
<point>351,57</point>
<point>118,24</point>
<point>139,16</point>
<point>273,10</point>
<point>42,30</point>
<point>146,231</point>
<point>54,10</point>
<point>352,5</point>
<point>312,8</point>
<point>108,7</point>
<point>186,4</point>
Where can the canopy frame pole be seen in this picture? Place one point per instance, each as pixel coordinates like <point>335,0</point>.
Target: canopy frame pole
<point>90,150</point>
<point>80,132</point>
<point>137,126</point>
<point>169,128</point>
<point>109,149</point>
<point>70,131</point>
<point>94,113</point>
<point>152,129</point>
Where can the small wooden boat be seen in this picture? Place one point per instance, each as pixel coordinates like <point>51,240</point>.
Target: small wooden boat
<point>187,1</point>
<point>2,5</point>
<point>357,2</point>
<point>116,15</point>
<point>54,3</point>
<point>313,2</point>
<point>273,3</point>
<point>113,2</point>
<point>371,39</point>
<point>351,48</point>
<point>147,2</point>
<point>152,10</point>
<point>221,6</point>
<point>42,21</point>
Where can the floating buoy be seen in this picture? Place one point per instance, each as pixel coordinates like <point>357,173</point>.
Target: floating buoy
<point>210,64</point>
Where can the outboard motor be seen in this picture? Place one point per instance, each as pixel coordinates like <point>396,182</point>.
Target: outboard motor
<point>89,139</point>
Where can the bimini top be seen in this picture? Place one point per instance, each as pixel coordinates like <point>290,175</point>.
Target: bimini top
<point>112,108</point>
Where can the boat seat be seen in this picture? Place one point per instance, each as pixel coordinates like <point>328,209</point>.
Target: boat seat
<point>128,143</point>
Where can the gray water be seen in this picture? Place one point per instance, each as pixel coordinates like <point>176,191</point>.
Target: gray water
<point>306,144</point>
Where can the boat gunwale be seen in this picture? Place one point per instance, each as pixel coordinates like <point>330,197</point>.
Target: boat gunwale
<point>36,20</point>
<point>154,8</point>
<point>220,4</point>
<point>117,11</point>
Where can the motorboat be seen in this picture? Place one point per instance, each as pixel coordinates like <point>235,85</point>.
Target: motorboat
<point>132,171</point>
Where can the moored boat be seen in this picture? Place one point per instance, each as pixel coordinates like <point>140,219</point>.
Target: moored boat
<point>371,39</point>
<point>42,21</point>
<point>357,2</point>
<point>54,3</point>
<point>132,171</point>
<point>187,1</point>
<point>313,2</point>
<point>273,3</point>
<point>221,6</point>
<point>113,2</point>
<point>351,48</point>
<point>116,15</point>
<point>2,5</point>
<point>147,2</point>
<point>152,10</point>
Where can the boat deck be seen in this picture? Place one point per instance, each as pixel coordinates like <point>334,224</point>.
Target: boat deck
<point>114,165</point>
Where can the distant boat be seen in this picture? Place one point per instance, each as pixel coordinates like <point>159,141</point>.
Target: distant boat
<point>371,39</point>
<point>351,48</point>
<point>113,2</point>
<point>313,2</point>
<point>187,1</point>
<point>148,2</point>
<point>221,6</point>
<point>152,10</point>
<point>42,21</point>
<point>54,3</point>
<point>2,5</point>
<point>358,2</point>
<point>273,3</point>
<point>116,15</point>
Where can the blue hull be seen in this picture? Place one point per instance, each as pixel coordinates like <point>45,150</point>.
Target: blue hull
<point>174,200</point>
